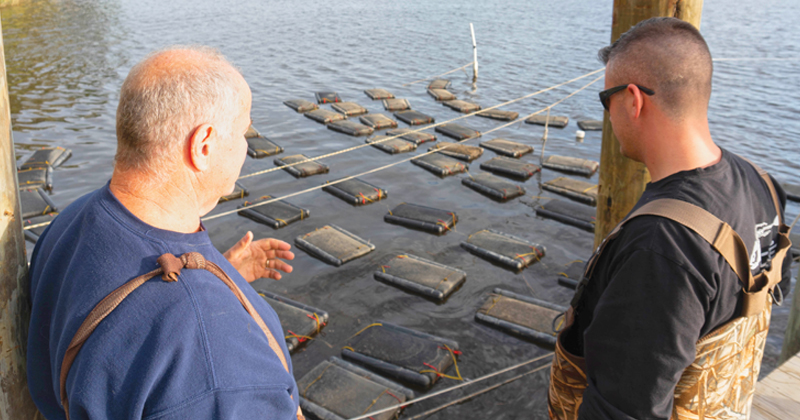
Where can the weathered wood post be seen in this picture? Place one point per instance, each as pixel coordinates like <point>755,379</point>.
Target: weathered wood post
<point>791,340</point>
<point>622,180</point>
<point>15,399</point>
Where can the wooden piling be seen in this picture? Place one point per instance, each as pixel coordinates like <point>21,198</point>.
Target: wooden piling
<point>15,399</point>
<point>622,180</point>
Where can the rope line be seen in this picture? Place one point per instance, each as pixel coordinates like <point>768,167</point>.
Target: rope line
<point>434,77</point>
<point>453,388</point>
<point>347,178</point>
<point>262,203</point>
<point>417,130</point>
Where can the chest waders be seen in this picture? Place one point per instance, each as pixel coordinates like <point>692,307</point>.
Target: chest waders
<point>170,270</point>
<point>720,383</point>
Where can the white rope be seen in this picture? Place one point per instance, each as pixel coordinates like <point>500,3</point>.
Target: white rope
<point>434,77</point>
<point>427,127</point>
<point>446,390</point>
<point>263,203</point>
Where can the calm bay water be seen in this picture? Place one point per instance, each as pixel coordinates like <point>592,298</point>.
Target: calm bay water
<point>66,61</point>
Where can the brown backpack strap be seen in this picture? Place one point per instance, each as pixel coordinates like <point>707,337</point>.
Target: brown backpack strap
<point>170,270</point>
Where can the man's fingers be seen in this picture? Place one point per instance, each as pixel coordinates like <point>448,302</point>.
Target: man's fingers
<point>272,244</point>
<point>284,255</point>
<point>243,243</point>
<point>279,265</point>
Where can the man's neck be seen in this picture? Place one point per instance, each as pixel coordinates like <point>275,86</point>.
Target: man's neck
<point>165,206</point>
<point>681,148</point>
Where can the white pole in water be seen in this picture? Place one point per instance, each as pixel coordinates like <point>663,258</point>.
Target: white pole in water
<point>474,55</point>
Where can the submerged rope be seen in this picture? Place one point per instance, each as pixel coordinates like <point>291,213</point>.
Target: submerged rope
<point>347,178</point>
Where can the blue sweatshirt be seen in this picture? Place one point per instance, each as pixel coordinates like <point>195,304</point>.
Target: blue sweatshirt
<point>180,350</point>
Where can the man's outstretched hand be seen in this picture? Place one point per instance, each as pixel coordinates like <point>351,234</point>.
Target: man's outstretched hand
<point>259,259</point>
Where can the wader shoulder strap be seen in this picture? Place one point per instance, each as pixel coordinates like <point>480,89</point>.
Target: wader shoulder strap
<point>170,270</point>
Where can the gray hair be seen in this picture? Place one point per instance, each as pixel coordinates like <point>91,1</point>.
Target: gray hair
<point>669,56</point>
<point>162,101</point>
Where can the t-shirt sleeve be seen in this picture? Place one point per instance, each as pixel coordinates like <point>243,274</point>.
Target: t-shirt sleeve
<point>642,337</point>
<point>244,403</point>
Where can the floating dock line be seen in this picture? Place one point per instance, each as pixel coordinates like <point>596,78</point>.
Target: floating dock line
<point>262,203</point>
<point>474,381</point>
<point>427,127</point>
<point>225,213</point>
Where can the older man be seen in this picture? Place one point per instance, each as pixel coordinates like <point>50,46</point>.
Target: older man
<point>671,317</point>
<point>170,350</point>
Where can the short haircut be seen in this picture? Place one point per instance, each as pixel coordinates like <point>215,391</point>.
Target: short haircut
<point>162,101</point>
<point>669,56</point>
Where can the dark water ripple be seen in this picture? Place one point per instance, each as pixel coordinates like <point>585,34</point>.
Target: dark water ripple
<point>67,59</point>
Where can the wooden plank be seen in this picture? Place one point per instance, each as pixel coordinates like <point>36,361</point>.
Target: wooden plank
<point>778,395</point>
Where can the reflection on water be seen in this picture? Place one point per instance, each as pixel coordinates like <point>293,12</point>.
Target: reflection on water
<point>67,59</point>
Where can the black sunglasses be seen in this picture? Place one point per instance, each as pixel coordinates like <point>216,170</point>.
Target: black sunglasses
<point>606,94</point>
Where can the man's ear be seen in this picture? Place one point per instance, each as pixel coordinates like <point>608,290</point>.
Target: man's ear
<point>200,146</point>
<point>637,101</point>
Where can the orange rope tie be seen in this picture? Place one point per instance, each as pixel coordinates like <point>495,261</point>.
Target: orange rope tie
<point>320,324</point>
<point>380,193</point>
<point>440,374</point>
<point>384,267</point>
<point>377,324</point>
<point>300,338</point>
<point>348,348</point>
<point>282,221</point>
<point>441,222</point>
<point>364,198</point>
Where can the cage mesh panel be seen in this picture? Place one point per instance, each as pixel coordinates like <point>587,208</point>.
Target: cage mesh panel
<point>590,125</point>
<point>458,132</point>
<point>378,121</point>
<point>391,146</point>
<point>569,212</point>
<point>512,167</point>
<point>292,318</point>
<point>396,104</point>
<point>462,106</point>
<point>324,116</point>
<point>439,84</point>
<point>375,94</point>
<point>301,105</point>
<point>35,202</point>
<point>401,349</point>
<point>458,151</point>
<point>350,127</point>
<point>441,95</point>
<point>412,117</point>
<point>345,393</point>
<point>497,114</point>
<point>337,244</point>
<point>260,147</point>
<point>349,109</point>
<point>303,169</point>
<point>518,312</point>
<point>48,156</point>
<point>792,191</point>
<point>327,97</point>
<point>35,177</point>
<point>503,189</point>
<point>358,191</point>
<point>507,147</point>
<point>578,190</point>
<point>571,164</point>
<point>505,246</point>
<point>416,138</point>
<point>555,121</point>
<point>238,192</point>
<point>282,212</point>
<point>440,164</point>
<point>443,279</point>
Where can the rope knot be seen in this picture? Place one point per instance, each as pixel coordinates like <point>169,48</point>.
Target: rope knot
<point>171,267</point>
<point>193,260</point>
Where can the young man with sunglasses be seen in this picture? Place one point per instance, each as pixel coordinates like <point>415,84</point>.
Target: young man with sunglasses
<point>671,316</point>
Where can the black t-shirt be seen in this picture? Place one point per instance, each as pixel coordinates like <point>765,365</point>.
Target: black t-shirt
<point>659,287</point>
